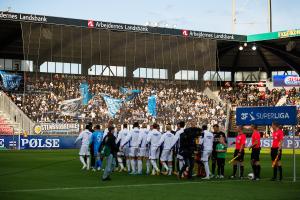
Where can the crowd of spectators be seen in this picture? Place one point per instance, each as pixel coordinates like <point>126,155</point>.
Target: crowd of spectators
<point>44,94</point>
<point>259,95</point>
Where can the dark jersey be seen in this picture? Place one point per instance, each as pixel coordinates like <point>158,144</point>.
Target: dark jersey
<point>217,136</point>
<point>187,141</point>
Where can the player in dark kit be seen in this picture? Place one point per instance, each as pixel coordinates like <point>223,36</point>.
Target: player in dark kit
<point>217,134</point>
<point>255,152</point>
<point>187,148</point>
<point>276,150</point>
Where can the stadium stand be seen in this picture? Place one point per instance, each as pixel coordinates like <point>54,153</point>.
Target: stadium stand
<point>43,97</point>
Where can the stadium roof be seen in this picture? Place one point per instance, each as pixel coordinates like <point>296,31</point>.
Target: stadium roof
<point>136,45</point>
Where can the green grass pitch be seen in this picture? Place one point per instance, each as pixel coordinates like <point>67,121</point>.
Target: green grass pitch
<point>57,174</point>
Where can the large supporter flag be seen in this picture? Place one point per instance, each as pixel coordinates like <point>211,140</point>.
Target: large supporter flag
<point>10,81</point>
<point>113,105</point>
<point>152,105</point>
<point>130,94</point>
<point>70,107</point>
<point>84,91</point>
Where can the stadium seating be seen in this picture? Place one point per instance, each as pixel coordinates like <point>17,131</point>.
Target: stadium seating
<point>5,129</point>
<point>44,94</point>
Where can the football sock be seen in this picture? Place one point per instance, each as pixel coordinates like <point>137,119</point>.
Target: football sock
<point>242,171</point>
<point>140,166</point>
<point>280,172</point>
<point>120,161</point>
<point>128,165</point>
<point>234,170</point>
<point>88,161</point>
<point>206,168</point>
<point>133,169</point>
<point>275,172</point>
<point>148,166</point>
<point>82,160</point>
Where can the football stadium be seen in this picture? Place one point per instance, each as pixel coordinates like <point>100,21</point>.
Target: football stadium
<point>97,109</point>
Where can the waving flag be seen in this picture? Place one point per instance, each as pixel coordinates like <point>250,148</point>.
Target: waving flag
<point>10,81</point>
<point>152,105</point>
<point>124,90</point>
<point>84,91</point>
<point>113,105</point>
<point>70,107</point>
<point>130,94</point>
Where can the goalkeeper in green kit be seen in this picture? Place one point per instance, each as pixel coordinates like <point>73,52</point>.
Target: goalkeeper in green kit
<point>221,149</point>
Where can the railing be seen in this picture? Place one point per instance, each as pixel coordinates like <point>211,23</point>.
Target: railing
<point>228,117</point>
<point>15,114</point>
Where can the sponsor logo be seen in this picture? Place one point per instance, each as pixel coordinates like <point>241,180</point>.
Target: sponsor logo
<point>1,143</point>
<point>40,143</point>
<point>37,129</point>
<point>185,33</point>
<point>292,80</point>
<point>91,23</point>
<point>289,33</point>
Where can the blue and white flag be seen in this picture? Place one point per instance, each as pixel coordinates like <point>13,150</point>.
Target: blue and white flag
<point>84,91</point>
<point>10,81</point>
<point>124,90</point>
<point>113,105</point>
<point>152,105</point>
<point>70,107</point>
<point>130,94</point>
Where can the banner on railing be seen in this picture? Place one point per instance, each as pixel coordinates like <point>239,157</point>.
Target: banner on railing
<point>48,128</point>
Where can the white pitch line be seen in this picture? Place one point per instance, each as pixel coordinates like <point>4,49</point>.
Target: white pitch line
<point>126,186</point>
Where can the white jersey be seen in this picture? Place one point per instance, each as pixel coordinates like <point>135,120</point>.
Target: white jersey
<point>143,137</point>
<point>207,140</point>
<point>85,137</point>
<point>105,132</point>
<point>177,137</point>
<point>167,139</point>
<point>122,137</point>
<point>133,137</point>
<point>153,138</point>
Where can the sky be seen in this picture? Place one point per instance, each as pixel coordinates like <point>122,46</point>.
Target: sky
<point>199,15</point>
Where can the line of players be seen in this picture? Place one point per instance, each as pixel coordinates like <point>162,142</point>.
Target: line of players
<point>181,148</point>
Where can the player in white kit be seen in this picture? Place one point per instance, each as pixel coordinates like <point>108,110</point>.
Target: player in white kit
<point>206,140</point>
<point>180,127</point>
<point>133,140</point>
<point>167,140</point>
<point>122,138</point>
<point>153,139</point>
<point>85,136</point>
<point>143,150</point>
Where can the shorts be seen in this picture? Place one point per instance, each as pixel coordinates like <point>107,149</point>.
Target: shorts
<point>143,152</point>
<point>124,152</point>
<point>274,153</point>
<point>166,155</point>
<point>241,157</point>
<point>154,153</point>
<point>205,155</point>
<point>133,151</point>
<point>179,157</point>
<point>84,150</point>
<point>255,154</point>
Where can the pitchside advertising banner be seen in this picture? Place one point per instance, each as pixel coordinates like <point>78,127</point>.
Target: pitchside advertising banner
<point>38,142</point>
<point>67,142</point>
<point>284,115</point>
<point>286,81</point>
